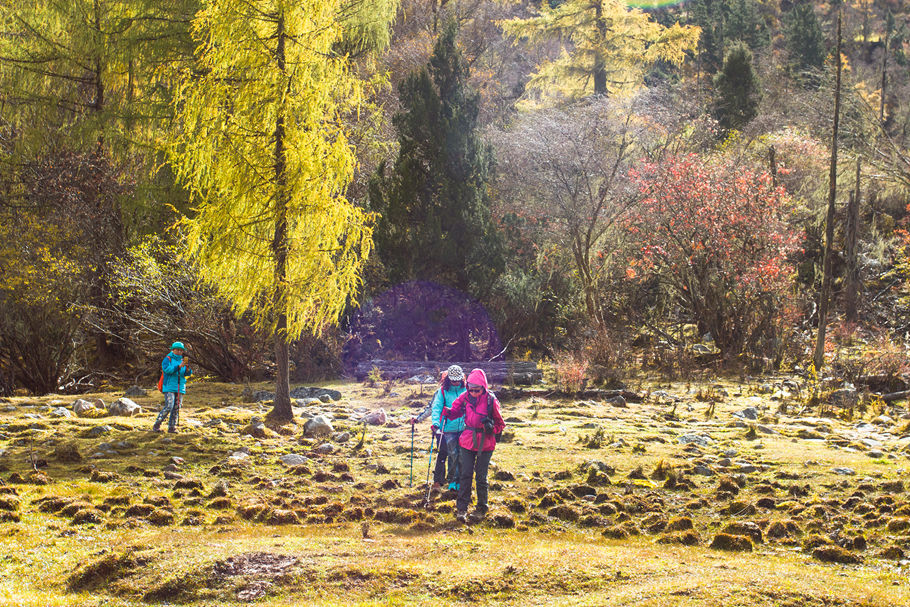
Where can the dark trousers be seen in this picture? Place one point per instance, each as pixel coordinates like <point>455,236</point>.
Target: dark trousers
<point>447,457</point>
<point>468,461</point>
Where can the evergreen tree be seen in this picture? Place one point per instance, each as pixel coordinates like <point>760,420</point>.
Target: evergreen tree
<point>434,206</point>
<point>737,89</point>
<point>805,40</point>
<point>725,22</point>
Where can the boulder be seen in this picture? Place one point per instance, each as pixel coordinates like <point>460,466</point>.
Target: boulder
<point>293,459</point>
<point>318,426</point>
<point>98,431</point>
<point>84,408</point>
<point>845,397</point>
<point>60,412</point>
<point>257,429</point>
<point>375,418</point>
<point>324,449</point>
<point>124,407</point>
<point>747,413</point>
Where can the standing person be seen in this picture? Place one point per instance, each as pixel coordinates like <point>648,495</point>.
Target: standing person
<point>483,423</point>
<point>451,387</point>
<point>173,384</point>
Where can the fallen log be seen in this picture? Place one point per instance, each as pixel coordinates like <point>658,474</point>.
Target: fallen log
<point>893,396</point>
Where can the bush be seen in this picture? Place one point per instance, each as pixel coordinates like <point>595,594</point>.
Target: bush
<point>713,235</point>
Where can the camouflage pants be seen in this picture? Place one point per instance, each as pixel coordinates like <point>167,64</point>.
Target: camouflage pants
<point>172,401</point>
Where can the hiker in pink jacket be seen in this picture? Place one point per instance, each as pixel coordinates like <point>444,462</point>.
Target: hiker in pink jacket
<point>483,423</point>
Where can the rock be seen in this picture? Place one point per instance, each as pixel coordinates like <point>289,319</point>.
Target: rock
<point>312,392</point>
<point>293,459</point>
<point>750,413</point>
<point>82,408</point>
<point>257,429</point>
<point>124,407</point>
<point>617,401</point>
<point>703,470</point>
<point>247,395</point>
<point>60,412</point>
<point>341,437</point>
<point>309,402</point>
<point>98,431</point>
<point>318,426</point>
<point>375,418</point>
<point>324,449</point>
<point>421,379</point>
<point>745,467</point>
<point>702,440</point>
<point>239,456</point>
<point>844,471</point>
<point>765,429</point>
<point>135,392</point>
<point>875,454</point>
<point>883,420</point>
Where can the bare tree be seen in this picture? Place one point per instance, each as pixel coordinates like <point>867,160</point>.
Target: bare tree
<point>568,167</point>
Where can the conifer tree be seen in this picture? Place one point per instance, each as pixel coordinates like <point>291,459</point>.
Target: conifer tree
<point>612,46</point>
<point>805,40</point>
<point>264,151</point>
<point>737,89</point>
<point>433,203</point>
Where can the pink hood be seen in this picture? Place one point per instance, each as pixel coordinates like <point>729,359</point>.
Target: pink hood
<point>477,376</point>
<point>474,414</point>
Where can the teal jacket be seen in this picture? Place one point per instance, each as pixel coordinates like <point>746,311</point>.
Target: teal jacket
<point>445,399</point>
<point>174,375</point>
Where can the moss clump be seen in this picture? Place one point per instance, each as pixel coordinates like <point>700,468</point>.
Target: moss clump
<point>282,517</point>
<point>686,538</point>
<point>783,529</point>
<point>898,525</point>
<point>105,569</point>
<point>161,517</point>
<point>732,543</point>
<point>836,554</point>
<point>89,516</point>
<point>745,528</point>
<point>892,552</point>
<point>616,532</point>
<point>683,523</point>
<point>67,453</point>
<point>398,516</point>
<point>221,503</point>
<point>9,503</point>
<point>73,507</point>
<point>139,510</point>
<point>515,505</point>
<point>728,484</point>
<point>501,521</point>
<point>564,513</point>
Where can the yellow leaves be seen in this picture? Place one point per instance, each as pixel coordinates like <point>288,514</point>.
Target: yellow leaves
<point>254,95</point>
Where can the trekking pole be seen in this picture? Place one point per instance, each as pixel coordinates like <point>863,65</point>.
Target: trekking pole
<point>411,482</point>
<point>430,462</point>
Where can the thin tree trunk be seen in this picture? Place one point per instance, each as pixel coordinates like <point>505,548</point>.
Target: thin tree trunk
<point>881,103</point>
<point>825,295</point>
<point>281,407</point>
<point>852,228</point>
<point>600,71</point>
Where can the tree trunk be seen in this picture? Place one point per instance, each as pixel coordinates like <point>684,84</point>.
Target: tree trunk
<point>825,295</point>
<point>600,71</point>
<point>281,407</point>
<point>852,227</point>
<point>881,102</point>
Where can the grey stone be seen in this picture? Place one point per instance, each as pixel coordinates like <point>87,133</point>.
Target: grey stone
<point>124,407</point>
<point>844,471</point>
<point>702,440</point>
<point>341,437</point>
<point>703,470</point>
<point>883,420</point>
<point>318,426</point>
<point>726,462</point>
<point>747,413</point>
<point>745,467</point>
<point>60,412</point>
<point>82,407</point>
<point>239,456</point>
<point>845,397</point>
<point>875,454</point>
<point>324,449</point>
<point>98,431</point>
<point>33,416</point>
<point>293,459</point>
<point>326,398</point>
<point>765,429</point>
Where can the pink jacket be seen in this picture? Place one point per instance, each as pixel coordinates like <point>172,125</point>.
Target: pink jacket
<point>474,414</point>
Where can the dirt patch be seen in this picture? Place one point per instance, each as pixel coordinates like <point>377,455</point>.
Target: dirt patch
<point>259,570</point>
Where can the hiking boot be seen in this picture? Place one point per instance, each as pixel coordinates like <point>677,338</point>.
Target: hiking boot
<point>172,431</point>
<point>436,489</point>
<point>156,429</point>
<point>461,516</point>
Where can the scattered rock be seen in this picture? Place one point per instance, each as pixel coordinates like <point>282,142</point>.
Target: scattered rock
<point>702,440</point>
<point>750,413</point>
<point>60,412</point>
<point>341,437</point>
<point>325,449</point>
<point>375,418</point>
<point>84,408</point>
<point>843,471</point>
<point>293,459</point>
<point>124,407</point>
<point>318,426</point>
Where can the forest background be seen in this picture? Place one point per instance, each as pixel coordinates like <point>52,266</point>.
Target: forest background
<point>292,187</point>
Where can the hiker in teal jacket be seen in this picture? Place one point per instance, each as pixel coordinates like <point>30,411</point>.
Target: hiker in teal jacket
<point>451,387</point>
<point>174,373</point>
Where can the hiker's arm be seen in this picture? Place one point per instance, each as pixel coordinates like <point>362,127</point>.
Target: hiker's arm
<point>436,407</point>
<point>169,366</point>
<point>423,414</point>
